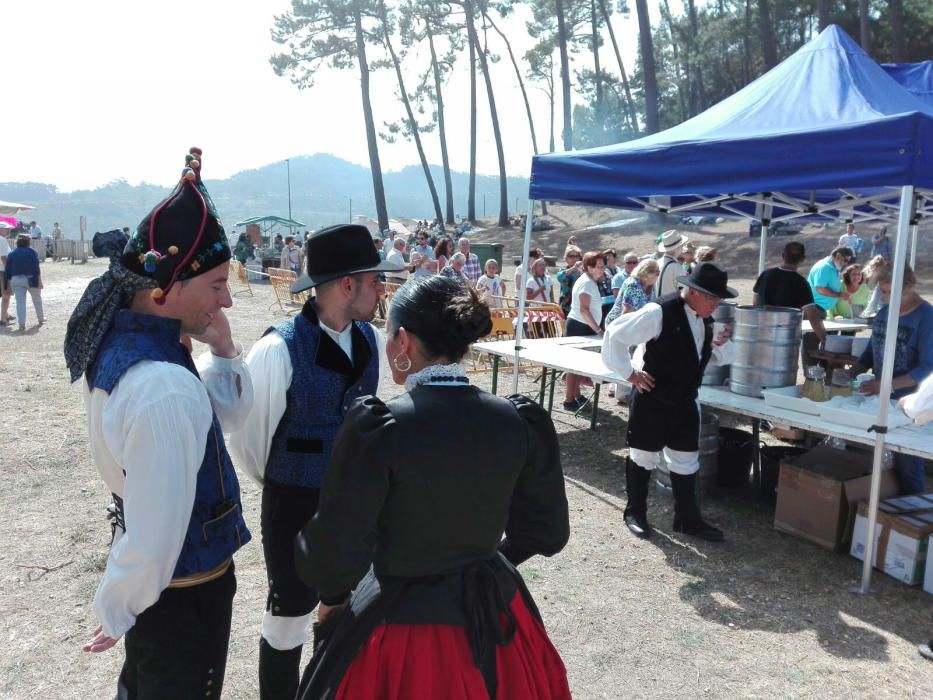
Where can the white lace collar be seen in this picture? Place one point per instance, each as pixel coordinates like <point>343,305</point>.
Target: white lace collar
<point>438,375</point>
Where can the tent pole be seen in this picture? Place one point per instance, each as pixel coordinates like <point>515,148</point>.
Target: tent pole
<point>520,293</point>
<point>887,375</point>
<point>763,250</point>
<point>914,234</point>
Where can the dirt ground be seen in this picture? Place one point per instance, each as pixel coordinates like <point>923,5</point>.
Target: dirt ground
<point>761,615</point>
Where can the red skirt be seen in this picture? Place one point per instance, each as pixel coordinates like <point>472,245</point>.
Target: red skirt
<point>424,662</point>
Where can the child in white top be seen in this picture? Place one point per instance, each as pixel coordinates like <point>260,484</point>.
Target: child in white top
<point>491,285</point>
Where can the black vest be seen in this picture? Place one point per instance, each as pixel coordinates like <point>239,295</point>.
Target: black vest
<point>672,358</point>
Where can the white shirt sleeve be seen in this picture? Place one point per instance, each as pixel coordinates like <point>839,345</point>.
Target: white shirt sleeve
<point>723,354</point>
<point>919,405</point>
<point>229,387</point>
<point>630,329</point>
<point>270,369</point>
<point>384,372</point>
<point>156,427</point>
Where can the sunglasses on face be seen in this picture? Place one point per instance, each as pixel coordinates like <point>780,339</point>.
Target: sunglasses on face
<point>631,262</point>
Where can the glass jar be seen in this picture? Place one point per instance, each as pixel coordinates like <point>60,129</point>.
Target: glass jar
<point>814,385</point>
<point>841,384</point>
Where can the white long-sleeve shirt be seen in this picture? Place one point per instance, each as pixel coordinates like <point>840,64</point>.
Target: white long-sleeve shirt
<point>147,438</point>
<point>270,367</point>
<point>644,325</point>
<point>919,405</point>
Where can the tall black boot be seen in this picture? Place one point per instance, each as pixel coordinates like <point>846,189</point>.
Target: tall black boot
<point>687,518</point>
<point>637,481</point>
<point>278,672</point>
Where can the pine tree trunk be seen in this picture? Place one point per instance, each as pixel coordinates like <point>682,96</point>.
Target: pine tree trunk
<point>698,90</point>
<point>494,115</point>
<point>594,41</point>
<point>822,13</point>
<point>567,134</point>
<point>441,129</point>
<point>379,195</point>
<point>412,122</point>
<point>898,40</point>
<point>652,120</point>
<point>630,103</point>
<point>521,82</point>
<point>471,189</point>
<point>682,72</point>
<point>864,26</point>
<point>766,33</point>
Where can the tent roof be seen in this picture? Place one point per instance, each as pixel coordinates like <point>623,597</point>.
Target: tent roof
<point>270,220</point>
<point>12,208</point>
<point>916,78</point>
<point>826,128</point>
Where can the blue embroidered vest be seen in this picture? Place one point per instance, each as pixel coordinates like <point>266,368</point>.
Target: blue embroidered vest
<point>316,402</point>
<point>216,529</point>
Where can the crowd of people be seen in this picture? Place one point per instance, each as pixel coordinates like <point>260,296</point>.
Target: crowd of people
<point>356,523</point>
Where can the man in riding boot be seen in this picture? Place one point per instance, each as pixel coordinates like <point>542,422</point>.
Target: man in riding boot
<point>674,335</point>
<point>307,371</point>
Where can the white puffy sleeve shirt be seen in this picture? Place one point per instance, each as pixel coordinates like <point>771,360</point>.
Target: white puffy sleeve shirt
<point>147,438</point>
<point>271,370</point>
<point>644,325</point>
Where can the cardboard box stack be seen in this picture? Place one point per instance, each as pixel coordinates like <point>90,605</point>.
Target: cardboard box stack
<point>902,538</point>
<point>819,491</point>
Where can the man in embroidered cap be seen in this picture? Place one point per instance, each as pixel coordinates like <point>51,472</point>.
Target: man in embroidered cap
<point>156,436</point>
<point>307,371</point>
<point>674,335</point>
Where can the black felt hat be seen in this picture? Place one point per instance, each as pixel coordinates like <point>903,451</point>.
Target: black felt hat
<point>337,251</point>
<point>181,237</point>
<point>709,278</point>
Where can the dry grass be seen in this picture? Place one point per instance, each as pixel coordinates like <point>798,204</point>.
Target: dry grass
<point>761,615</point>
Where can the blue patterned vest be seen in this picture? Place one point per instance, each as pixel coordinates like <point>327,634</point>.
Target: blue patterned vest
<point>216,529</point>
<point>316,402</point>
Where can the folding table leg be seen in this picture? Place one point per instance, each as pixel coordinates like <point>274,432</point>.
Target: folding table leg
<point>756,453</point>
<point>595,405</point>
<point>495,373</point>
<point>541,390</point>
<point>550,401</point>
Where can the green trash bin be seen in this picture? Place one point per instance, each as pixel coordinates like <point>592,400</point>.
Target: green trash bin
<point>485,251</point>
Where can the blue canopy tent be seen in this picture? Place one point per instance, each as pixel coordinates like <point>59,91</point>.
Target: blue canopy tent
<point>916,78</point>
<point>826,134</point>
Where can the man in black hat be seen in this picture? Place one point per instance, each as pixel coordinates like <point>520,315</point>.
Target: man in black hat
<point>307,371</point>
<point>156,437</point>
<point>675,341</point>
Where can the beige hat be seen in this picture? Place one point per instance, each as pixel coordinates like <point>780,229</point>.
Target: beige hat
<point>671,241</point>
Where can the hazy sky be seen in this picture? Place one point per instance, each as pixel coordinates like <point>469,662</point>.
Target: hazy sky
<point>106,89</point>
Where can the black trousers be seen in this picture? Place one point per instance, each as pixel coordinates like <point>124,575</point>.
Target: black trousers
<point>178,647</point>
<point>285,510</point>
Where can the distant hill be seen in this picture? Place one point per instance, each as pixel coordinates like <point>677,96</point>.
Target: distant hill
<point>323,186</point>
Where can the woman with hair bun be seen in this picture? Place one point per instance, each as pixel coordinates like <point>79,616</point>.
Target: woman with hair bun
<point>429,546</point>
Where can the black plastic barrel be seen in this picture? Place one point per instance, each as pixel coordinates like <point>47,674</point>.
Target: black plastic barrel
<point>771,458</point>
<point>736,452</point>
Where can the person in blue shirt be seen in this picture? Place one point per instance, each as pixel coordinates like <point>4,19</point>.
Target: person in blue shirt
<point>825,278</point>
<point>913,360</point>
<point>881,244</point>
<point>21,274</point>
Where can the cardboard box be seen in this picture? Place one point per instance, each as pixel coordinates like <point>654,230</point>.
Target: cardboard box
<point>928,576</point>
<point>819,491</point>
<point>902,537</point>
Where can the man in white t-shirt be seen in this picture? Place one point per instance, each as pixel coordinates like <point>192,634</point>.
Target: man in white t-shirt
<point>671,242</point>
<point>396,256</point>
<point>4,288</point>
<point>850,239</point>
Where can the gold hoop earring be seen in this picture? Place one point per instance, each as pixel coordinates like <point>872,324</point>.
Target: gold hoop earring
<point>395,362</point>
